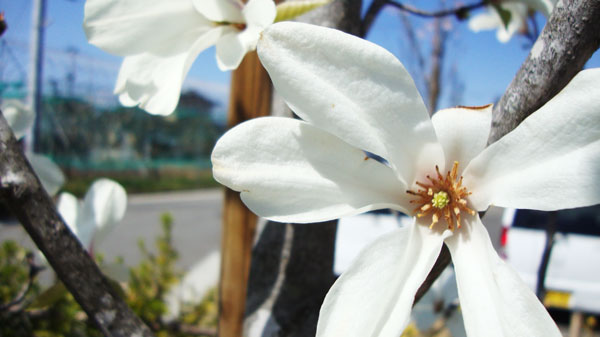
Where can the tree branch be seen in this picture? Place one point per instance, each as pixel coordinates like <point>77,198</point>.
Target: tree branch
<point>377,5</point>
<point>551,64</point>
<point>30,203</point>
<point>570,37</point>
<point>460,12</point>
<point>370,16</point>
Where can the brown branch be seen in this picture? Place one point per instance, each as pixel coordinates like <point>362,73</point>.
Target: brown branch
<point>29,202</point>
<point>377,5</point>
<point>460,12</point>
<point>437,60</point>
<point>415,47</point>
<point>33,271</point>
<point>551,64</point>
<point>370,16</point>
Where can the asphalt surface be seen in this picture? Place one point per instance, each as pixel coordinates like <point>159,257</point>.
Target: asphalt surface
<point>196,226</point>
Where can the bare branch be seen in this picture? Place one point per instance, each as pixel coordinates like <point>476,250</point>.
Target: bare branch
<point>569,39</point>
<point>460,12</point>
<point>377,5</point>
<point>437,60</point>
<point>370,16</point>
<point>415,47</point>
<point>33,271</point>
<point>30,203</point>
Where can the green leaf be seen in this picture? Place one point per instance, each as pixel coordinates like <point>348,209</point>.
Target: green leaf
<point>49,296</point>
<point>290,9</point>
<point>505,15</point>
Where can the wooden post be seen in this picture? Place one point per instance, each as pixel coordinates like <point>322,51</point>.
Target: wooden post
<point>250,97</point>
<point>576,324</point>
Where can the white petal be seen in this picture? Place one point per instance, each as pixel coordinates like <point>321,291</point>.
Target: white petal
<point>352,88</point>
<point>19,117</point>
<point>375,295</point>
<point>485,21</point>
<point>495,302</point>
<point>516,24</point>
<point>463,132</point>
<point>154,82</point>
<point>103,207</point>
<point>492,20</point>
<point>221,10</point>
<point>232,47</point>
<point>260,13</point>
<point>128,27</point>
<point>47,171</point>
<point>291,171</point>
<point>551,160</point>
<point>68,207</point>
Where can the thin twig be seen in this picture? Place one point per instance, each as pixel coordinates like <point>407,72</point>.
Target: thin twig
<point>460,12</point>
<point>376,6</point>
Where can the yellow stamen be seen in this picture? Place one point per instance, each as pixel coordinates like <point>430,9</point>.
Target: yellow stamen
<point>440,200</point>
<point>443,196</point>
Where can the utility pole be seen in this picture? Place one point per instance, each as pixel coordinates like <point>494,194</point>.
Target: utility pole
<point>36,61</point>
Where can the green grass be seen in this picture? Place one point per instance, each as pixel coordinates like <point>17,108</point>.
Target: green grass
<point>162,180</point>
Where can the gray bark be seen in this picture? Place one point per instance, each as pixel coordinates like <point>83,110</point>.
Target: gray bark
<point>292,264</point>
<point>571,36</point>
<point>29,202</point>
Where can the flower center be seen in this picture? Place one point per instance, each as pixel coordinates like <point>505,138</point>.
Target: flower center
<point>442,197</point>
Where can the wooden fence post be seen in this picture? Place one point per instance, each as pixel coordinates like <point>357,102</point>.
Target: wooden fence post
<point>250,97</point>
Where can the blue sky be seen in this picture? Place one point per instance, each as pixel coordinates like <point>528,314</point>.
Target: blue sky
<point>481,64</point>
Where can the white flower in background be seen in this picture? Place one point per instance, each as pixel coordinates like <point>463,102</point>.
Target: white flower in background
<point>102,209</point>
<point>194,286</point>
<point>440,302</point>
<point>160,39</point>
<point>354,96</point>
<point>19,117</point>
<point>516,13</point>
<point>21,120</point>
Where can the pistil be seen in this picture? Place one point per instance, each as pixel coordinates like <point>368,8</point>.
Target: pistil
<point>442,197</point>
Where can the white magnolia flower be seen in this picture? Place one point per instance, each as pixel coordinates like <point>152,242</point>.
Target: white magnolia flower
<point>102,208</point>
<point>160,39</point>
<point>354,96</point>
<point>517,22</point>
<point>21,119</point>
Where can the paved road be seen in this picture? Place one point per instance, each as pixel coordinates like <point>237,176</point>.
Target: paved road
<point>196,226</point>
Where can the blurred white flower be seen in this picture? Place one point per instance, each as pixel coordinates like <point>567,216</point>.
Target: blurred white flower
<point>102,208</point>
<point>354,96</point>
<point>21,119</point>
<point>160,39</point>
<point>200,278</point>
<point>516,12</point>
<point>440,302</point>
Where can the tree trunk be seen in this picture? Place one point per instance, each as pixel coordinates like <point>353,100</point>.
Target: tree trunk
<point>292,264</point>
